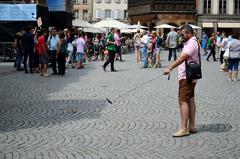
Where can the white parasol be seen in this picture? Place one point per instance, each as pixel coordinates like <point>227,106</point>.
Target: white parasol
<point>109,23</point>
<point>165,26</point>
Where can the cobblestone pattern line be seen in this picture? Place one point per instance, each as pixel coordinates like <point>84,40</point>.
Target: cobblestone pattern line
<point>69,118</point>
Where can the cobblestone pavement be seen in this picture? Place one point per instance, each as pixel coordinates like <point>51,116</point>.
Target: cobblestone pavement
<point>68,117</point>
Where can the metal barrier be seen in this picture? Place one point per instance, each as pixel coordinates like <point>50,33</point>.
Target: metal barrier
<point>7,51</point>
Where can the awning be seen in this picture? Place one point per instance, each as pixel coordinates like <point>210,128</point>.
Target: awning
<point>207,25</point>
<point>229,25</point>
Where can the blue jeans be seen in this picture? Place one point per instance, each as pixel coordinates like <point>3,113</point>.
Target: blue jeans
<point>144,56</point>
<point>174,52</point>
<point>18,59</point>
<point>233,64</point>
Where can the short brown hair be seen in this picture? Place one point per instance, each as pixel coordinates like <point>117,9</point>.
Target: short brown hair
<point>61,35</point>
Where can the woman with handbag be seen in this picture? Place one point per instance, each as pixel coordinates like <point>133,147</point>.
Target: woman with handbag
<point>234,57</point>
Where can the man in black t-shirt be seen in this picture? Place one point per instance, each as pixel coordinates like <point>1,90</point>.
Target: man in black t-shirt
<point>28,46</point>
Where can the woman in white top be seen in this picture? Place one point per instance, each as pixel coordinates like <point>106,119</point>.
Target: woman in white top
<point>224,46</point>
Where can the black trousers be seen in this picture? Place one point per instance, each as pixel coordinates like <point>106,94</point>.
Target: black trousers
<point>221,56</point>
<point>111,56</point>
<point>28,53</point>
<point>212,52</point>
<point>53,60</point>
<point>61,64</point>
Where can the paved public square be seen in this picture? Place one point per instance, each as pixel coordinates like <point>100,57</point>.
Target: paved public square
<point>68,117</point>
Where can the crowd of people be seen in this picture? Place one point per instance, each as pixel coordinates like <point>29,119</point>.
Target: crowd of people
<point>217,45</point>
<point>36,49</point>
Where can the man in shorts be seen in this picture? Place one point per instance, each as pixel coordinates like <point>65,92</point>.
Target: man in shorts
<point>80,43</point>
<point>42,53</point>
<point>186,87</point>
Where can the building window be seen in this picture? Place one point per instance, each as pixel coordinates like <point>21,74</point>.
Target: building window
<point>76,14</point>
<point>237,6</point>
<point>125,16</point>
<point>85,14</point>
<point>107,13</point>
<point>84,2</point>
<point>99,14</point>
<point>222,6</point>
<point>207,5</point>
<point>76,1</point>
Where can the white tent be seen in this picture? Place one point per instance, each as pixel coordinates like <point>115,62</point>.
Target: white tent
<point>193,26</point>
<point>81,23</point>
<point>94,30</point>
<point>109,23</point>
<point>165,26</point>
<point>136,26</point>
<point>130,30</point>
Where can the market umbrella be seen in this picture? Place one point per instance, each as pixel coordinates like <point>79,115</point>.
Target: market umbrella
<point>165,26</point>
<point>81,23</point>
<point>136,26</point>
<point>193,26</point>
<point>94,30</point>
<point>109,23</point>
<point>131,30</point>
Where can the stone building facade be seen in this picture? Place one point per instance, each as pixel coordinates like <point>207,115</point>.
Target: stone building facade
<point>116,9</point>
<point>83,10</point>
<point>155,12</point>
<point>219,15</point>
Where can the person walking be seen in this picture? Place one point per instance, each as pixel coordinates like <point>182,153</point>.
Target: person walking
<point>204,43</point>
<point>28,46</point>
<point>172,44</point>
<point>190,52</point>
<point>111,51</point>
<point>52,45</point>
<point>234,56</point>
<point>211,45</point>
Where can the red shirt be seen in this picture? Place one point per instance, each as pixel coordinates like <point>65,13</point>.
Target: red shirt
<point>41,45</point>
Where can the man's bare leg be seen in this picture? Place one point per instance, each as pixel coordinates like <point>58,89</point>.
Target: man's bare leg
<point>192,113</point>
<point>184,109</point>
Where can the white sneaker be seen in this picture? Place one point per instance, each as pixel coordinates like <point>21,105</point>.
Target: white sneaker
<point>46,75</point>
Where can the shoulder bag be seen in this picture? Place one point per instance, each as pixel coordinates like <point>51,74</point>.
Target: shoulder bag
<point>193,70</point>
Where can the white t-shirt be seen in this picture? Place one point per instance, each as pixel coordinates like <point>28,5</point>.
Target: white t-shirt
<point>224,44</point>
<point>144,41</point>
<point>80,45</point>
